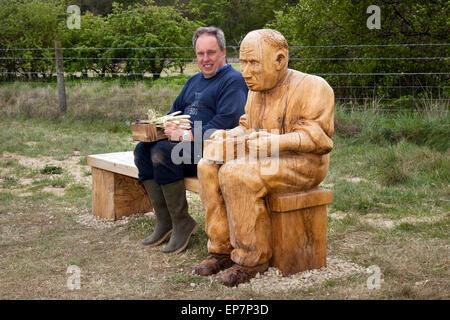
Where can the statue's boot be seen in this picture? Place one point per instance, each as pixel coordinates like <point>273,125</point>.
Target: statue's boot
<point>163,221</point>
<point>240,274</point>
<point>213,264</point>
<point>183,224</point>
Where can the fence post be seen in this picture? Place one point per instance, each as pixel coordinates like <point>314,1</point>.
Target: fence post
<point>60,77</point>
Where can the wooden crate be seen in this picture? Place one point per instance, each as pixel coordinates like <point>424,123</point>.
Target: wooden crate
<point>147,132</point>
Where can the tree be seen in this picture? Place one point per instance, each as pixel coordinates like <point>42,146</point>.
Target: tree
<point>88,41</point>
<point>28,25</point>
<point>342,22</point>
<point>103,7</point>
<point>162,32</point>
<point>139,39</point>
<point>235,17</point>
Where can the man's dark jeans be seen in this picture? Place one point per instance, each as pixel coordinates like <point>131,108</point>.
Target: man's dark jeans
<point>153,160</point>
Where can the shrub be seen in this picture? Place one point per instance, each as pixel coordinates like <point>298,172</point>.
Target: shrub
<point>153,30</point>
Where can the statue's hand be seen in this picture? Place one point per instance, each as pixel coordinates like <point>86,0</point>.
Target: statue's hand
<point>225,134</point>
<point>219,135</point>
<point>263,144</point>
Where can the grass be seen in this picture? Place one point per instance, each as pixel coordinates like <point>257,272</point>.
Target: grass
<point>384,168</point>
<point>51,170</point>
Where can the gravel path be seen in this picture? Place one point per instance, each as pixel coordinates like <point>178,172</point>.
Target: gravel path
<point>273,281</point>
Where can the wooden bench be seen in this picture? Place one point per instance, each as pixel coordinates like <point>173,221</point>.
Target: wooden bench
<point>116,191</point>
<point>298,220</point>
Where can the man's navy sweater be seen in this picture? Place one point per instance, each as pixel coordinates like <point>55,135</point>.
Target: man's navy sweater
<point>218,102</point>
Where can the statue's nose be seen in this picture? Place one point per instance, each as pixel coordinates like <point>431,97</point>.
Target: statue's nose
<point>245,72</point>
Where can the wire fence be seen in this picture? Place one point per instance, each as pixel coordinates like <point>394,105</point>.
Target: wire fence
<point>362,76</point>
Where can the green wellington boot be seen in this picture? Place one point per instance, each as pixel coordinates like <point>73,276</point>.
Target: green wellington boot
<point>163,221</point>
<point>183,224</point>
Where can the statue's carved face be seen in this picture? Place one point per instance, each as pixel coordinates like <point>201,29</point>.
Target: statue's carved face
<point>259,65</point>
<point>210,57</point>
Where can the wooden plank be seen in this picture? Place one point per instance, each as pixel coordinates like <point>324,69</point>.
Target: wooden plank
<point>129,197</point>
<point>123,163</point>
<point>294,201</point>
<point>299,240</point>
<point>118,162</point>
<point>115,195</point>
<point>103,194</point>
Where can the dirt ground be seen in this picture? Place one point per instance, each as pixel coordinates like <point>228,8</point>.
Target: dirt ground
<point>45,231</point>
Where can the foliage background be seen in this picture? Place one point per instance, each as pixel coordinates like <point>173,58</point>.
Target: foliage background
<point>325,38</point>
<point>389,172</point>
<point>320,24</point>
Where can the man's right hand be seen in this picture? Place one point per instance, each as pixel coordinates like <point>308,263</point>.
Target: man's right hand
<point>172,131</point>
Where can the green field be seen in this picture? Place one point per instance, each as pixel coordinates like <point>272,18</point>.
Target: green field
<point>389,173</point>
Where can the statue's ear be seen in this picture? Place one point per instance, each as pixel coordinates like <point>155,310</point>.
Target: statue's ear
<point>281,60</point>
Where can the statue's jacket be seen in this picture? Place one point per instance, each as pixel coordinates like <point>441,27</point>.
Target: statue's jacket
<point>302,104</point>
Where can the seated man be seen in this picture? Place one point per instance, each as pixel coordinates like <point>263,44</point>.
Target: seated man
<point>296,106</point>
<point>215,98</point>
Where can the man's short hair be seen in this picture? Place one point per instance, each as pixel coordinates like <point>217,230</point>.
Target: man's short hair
<point>216,32</point>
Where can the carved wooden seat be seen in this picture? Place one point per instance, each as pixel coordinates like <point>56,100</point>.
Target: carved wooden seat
<point>298,219</point>
<point>299,230</point>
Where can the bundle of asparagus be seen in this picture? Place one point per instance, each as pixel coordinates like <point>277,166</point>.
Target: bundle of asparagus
<point>181,120</point>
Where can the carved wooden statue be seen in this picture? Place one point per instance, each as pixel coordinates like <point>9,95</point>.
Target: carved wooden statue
<point>285,108</point>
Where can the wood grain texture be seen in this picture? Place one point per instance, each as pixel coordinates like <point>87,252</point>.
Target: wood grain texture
<point>129,197</point>
<point>118,162</point>
<point>192,184</point>
<point>223,150</point>
<point>115,195</point>
<point>294,201</point>
<point>298,220</point>
<point>146,132</point>
<point>123,163</point>
<point>299,240</point>
<point>103,194</point>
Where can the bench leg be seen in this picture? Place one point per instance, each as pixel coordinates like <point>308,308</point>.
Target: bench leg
<point>299,239</point>
<point>115,195</point>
